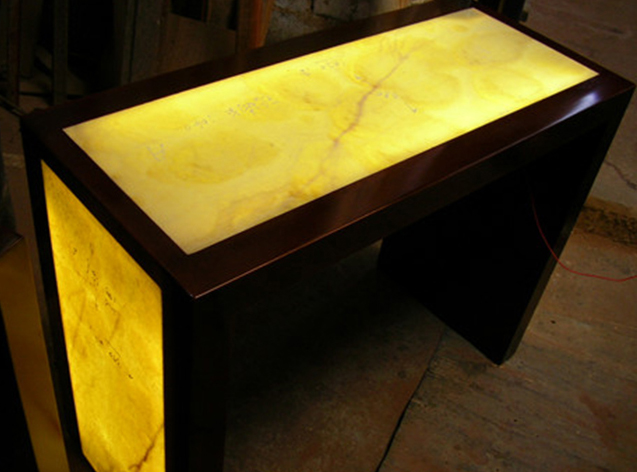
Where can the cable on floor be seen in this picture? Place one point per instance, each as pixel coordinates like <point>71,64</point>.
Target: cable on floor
<point>564,266</point>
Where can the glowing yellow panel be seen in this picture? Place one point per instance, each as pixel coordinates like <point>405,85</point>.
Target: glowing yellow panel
<point>112,318</point>
<point>212,161</point>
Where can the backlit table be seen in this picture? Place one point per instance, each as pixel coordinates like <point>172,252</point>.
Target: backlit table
<point>152,202</point>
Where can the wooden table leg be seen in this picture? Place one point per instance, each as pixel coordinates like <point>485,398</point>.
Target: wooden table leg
<point>480,264</point>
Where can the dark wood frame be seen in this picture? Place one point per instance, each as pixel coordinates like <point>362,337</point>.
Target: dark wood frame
<point>478,258</point>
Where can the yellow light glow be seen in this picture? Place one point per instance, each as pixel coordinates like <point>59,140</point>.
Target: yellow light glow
<point>112,317</point>
<point>212,161</point>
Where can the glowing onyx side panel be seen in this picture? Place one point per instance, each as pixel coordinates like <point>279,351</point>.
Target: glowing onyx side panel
<point>212,161</point>
<point>112,317</point>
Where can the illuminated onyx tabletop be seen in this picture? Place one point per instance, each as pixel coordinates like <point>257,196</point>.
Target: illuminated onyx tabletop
<point>210,162</point>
